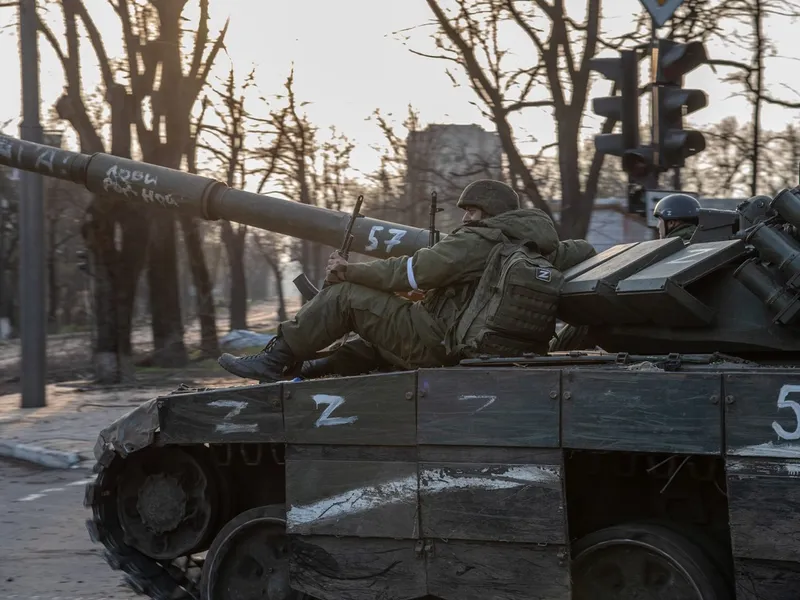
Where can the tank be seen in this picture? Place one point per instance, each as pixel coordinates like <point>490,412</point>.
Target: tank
<point>661,462</point>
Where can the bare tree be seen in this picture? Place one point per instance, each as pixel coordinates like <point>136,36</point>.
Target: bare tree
<point>391,178</point>
<point>334,177</point>
<point>719,170</point>
<point>193,238</point>
<point>230,156</point>
<point>781,160</point>
<point>470,38</point>
<point>274,249</point>
<point>151,32</point>
<point>613,182</point>
<point>751,74</point>
<point>290,157</point>
<point>440,158</point>
<point>66,205</point>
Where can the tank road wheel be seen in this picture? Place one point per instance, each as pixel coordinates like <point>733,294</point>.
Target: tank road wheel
<point>166,501</point>
<point>643,561</point>
<point>249,559</point>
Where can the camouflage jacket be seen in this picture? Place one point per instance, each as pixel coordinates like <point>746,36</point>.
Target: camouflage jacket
<point>450,270</point>
<point>685,232</point>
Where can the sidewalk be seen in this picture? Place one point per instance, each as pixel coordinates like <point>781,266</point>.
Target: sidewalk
<point>62,434</point>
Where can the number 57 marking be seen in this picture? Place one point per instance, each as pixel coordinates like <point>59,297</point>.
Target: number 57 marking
<point>784,403</point>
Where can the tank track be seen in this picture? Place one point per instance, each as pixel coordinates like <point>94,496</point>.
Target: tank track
<point>161,580</point>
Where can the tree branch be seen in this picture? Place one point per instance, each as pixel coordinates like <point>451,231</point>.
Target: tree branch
<point>494,102</point>
<point>97,44</point>
<point>199,82</point>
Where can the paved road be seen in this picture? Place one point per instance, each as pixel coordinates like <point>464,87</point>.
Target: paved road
<point>46,553</point>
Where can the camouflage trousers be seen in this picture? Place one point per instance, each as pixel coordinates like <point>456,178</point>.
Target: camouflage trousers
<point>401,332</point>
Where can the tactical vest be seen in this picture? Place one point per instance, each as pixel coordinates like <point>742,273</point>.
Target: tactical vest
<point>513,309</point>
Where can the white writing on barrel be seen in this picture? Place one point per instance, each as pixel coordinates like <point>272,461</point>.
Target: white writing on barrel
<point>119,180</point>
<point>46,158</point>
<point>6,148</point>
<point>397,236</point>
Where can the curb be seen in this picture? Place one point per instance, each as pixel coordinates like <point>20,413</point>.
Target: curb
<point>44,457</point>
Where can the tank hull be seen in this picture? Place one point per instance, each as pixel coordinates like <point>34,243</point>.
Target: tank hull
<point>481,481</point>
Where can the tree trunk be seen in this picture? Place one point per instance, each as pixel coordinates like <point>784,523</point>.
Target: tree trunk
<point>574,218</point>
<point>206,313</point>
<point>238,306</point>
<point>114,276</point>
<point>234,247</point>
<point>162,277</point>
<point>276,269</point>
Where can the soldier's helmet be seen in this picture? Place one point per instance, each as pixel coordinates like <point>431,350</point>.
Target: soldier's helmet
<point>492,197</point>
<point>681,207</point>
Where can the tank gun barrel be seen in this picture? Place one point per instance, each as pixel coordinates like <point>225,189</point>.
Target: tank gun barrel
<point>206,198</point>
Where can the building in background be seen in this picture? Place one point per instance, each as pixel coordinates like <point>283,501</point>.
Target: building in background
<point>446,158</point>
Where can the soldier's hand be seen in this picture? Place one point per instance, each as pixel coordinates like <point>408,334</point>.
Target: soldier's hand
<point>336,268</point>
<point>336,274</point>
<point>413,295</point>
<point>334,260</point>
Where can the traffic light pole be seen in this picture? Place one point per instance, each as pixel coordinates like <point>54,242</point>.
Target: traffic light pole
<point>670,142</point>
<point>676,178</point>
<point>653,108</point>
<point>33,316</point>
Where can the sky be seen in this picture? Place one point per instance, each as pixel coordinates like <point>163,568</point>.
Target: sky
<point>348,62</point>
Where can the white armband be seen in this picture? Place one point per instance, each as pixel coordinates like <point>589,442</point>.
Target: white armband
<point>410,273</point>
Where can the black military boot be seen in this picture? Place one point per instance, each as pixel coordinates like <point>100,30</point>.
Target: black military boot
<point>269,365</point>
<point>319,367</point>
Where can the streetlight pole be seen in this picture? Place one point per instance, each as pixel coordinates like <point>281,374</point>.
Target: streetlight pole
<point>31,223</point>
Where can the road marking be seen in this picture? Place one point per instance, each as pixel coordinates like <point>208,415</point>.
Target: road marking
<point>46,491</point>
<point>82,481</point>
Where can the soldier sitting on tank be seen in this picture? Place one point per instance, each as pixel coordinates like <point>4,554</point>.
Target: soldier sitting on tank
<point>678,216</point>
<point>407,334</point>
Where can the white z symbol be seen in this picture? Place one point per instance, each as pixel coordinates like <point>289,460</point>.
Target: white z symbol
<point>784,403</point>
<point>236,407</point>
<point>333,403</point>
<point>691,255</point>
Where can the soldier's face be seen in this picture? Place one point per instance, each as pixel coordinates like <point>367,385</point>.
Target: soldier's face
<point>472,214</point>
<point>662,229</point>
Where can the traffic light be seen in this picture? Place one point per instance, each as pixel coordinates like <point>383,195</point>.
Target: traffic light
<point>638,164</point>
<point>624,72</point>
<point>671,62</point>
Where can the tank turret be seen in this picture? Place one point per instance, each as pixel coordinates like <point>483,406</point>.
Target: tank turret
<point>207,198</point>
